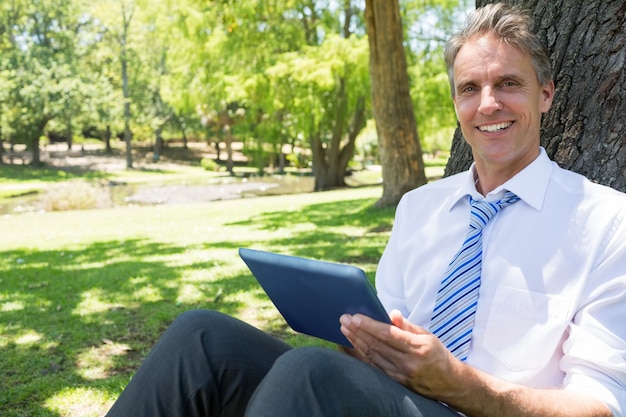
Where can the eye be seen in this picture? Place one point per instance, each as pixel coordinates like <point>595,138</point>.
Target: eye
<point>509,83</point>
<point>468,89</point>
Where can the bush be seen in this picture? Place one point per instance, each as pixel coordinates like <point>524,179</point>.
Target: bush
<point>209,164</point>
<point>75,195</point>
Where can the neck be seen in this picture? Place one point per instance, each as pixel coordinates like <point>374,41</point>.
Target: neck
<point>489,177</point>
<point>489,174</point>
<point>486,182</point>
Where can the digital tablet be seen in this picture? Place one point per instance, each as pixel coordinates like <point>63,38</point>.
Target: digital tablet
<point>311,295</point>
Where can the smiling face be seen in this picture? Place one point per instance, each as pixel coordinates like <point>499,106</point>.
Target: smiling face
<point>499,103</point>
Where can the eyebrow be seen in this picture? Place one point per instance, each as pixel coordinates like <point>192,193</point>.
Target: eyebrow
<point>461,84</point>
<point>510,76</point>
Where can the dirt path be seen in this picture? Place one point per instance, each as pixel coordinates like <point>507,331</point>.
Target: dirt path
<point>92,157</point>
<point>83,159</point>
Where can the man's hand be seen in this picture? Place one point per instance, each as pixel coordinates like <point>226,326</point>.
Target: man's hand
<point>417,359</point>
<point>407,353</point>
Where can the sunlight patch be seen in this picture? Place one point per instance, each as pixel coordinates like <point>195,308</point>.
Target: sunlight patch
<point>189,294</point>
<point>96,362</point>
<point>92,303</point>
<point>12,306</point>
<point>147,294</point>
<point>79,402</point>
<point>28,338</point>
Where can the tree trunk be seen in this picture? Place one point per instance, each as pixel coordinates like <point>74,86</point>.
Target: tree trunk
<point>320,164</point>
<point>229,150</point>
<point>127,132</point>
<point>69,135</point>
<point>158,144</point>
<point>183,130</point>
<point>400,150</point>
<point>36,161</point>
<point>36,133</point>
<point>585,131</point>
<point>106,138</point>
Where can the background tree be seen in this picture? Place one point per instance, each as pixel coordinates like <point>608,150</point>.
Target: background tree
<point>47,91</point>
<point>293,74</point>
<point>585,130</point>
<point>427,25</point>
<point>400,150</point>
<point>331,105</point>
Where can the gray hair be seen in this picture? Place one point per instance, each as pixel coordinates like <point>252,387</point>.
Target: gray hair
<point>509,24</point>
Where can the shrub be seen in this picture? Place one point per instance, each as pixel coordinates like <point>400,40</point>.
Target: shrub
<point>209,164</point>
<point>75,195</point>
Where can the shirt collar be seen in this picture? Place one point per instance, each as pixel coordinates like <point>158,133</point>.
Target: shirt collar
<point>530,184</point>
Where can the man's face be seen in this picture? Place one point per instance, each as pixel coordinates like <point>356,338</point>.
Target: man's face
<point>499,103</point>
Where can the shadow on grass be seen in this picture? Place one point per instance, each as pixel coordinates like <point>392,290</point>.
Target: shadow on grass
<point>82,320</point>
<point>351,231</point>
<point>54,175</point>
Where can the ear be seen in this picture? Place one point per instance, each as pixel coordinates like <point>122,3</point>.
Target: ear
<point>547,96</point>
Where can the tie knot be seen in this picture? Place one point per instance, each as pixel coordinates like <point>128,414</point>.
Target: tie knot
<point>483,211</point>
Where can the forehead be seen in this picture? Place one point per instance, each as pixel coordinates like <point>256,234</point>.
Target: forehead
<point>487,56</point>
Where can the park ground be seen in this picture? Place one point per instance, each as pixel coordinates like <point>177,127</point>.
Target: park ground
<point>85,293</point>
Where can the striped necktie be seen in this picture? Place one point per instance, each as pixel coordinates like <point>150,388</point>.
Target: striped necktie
<point>453,316</point>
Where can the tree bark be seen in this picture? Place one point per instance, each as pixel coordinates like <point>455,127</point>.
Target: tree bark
<point>230,164</point>
<point>106,138</point>
<point>36,161</point>
<point>585,131</point>
<point>400,149</point>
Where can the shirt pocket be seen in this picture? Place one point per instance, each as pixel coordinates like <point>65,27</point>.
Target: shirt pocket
<point>525,328</point>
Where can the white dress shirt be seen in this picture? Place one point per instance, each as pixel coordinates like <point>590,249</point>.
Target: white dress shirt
<point>552,304</point>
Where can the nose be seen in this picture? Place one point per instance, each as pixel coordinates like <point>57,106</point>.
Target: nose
<point>488,101</point>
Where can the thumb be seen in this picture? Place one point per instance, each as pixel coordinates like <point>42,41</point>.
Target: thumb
<point>399,321</point>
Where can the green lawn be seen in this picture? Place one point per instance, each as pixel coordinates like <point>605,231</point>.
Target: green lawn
<point>85,294</point>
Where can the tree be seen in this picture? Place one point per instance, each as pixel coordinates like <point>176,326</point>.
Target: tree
<point>283,47</point>
<point>297,72</point>
<point>334,101</point>
<point>585,130</point>
<point>123,32</point>
<point>40,66</point>
<point>400,150</point>
<point>333,151</point>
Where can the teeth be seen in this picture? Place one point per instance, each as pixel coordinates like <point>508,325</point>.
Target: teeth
<point>495,128</point>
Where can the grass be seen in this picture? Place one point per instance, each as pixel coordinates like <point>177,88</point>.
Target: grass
<point>85,294</point>
<point>18,180</point>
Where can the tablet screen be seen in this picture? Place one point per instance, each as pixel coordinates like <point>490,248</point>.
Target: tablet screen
<point>312,295</point>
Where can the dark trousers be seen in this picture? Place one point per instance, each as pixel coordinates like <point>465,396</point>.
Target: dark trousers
<point>210,364</point>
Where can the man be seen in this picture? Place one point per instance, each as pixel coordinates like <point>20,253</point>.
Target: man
<point>536,331</point>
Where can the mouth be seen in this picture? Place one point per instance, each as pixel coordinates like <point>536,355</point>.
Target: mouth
<point>495,127</point>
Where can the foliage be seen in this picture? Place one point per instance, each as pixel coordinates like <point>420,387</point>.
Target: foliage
<point>85,295</point>
<point>73,195</point>
<point>40,69</point>
<point>191,65</point>
<point>429,24</point>
<point>209,164</point>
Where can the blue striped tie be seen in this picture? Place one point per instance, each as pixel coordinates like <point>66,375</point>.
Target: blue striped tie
<point>453,317</point>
